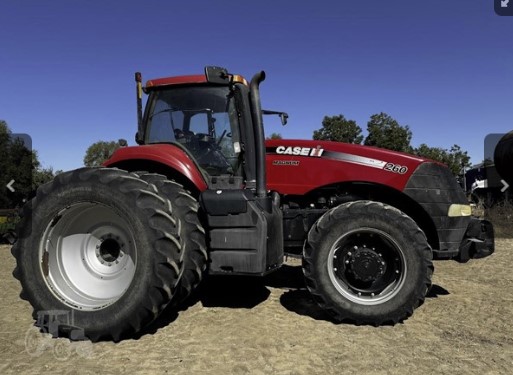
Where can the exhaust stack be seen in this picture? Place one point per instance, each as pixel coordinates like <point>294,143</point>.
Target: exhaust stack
<point>258,124</point>
<point>139,136</point>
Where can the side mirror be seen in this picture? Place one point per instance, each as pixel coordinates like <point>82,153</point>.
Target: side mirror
<point>217,75</point>
<point>284,117</point>
<point>138,139</point>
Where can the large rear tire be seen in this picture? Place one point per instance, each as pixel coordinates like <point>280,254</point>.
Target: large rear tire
<point>185,208</point>
<point>368,263</point>
<point>101,244</point>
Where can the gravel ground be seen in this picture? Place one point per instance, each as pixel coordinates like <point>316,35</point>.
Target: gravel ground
<point>271,326</point>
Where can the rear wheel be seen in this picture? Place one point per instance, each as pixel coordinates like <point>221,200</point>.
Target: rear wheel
<point>185,208</point>
<point>368,263</point>
<point>101,244</point>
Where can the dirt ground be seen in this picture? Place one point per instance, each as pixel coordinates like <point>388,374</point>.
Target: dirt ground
<point>271,326</point>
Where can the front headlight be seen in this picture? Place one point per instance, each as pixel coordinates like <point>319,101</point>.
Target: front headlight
<point>458,210</point>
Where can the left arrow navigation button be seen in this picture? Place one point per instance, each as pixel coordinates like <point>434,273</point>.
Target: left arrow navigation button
<point>9,186</point>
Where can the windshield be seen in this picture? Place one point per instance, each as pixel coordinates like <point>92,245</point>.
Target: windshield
<point>202,119</point>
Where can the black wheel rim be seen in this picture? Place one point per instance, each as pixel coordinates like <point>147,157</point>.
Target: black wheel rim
<point>367,266</point>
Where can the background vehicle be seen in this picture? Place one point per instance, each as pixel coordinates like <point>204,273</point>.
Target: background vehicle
<point>488,182</point>
<point>484,185</point>
<point>203,191</point>
<point>503,157</point>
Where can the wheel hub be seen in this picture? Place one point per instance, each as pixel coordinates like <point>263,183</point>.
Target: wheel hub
<point>366,265</point>
<point>109,250</point>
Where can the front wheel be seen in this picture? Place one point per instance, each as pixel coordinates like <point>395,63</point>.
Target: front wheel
<point>367,262</point>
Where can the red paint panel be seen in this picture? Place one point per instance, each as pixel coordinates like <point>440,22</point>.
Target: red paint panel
<point>169,155</point>
<point>182,80</point>
<point>339,162</point>
<point>295,174</point>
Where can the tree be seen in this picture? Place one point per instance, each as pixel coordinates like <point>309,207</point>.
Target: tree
<point>42,175</point>
<point>338,129</point>
<point>274,136</point>
<point>5,138</point>
<point>16,163</point>
<point>99,152</point>
<point>455,158</point>
<point>385,132</point>
<point>433,153</point>
<point>21,164</point>
<point>488,162</point>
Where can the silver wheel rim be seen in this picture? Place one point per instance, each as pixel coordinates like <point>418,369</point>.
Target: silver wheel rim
<point>391,274</point>
<point>88,256</point>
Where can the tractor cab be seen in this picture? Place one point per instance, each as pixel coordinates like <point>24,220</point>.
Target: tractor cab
<point>216,121</point>
<point>213,119</point>
<point>202,119</point>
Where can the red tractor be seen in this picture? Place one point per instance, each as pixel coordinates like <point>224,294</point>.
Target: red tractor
<point>204,192</point>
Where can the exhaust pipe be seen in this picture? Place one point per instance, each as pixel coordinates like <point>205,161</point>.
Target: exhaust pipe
<point>258,130</point>
<point>139,136</point>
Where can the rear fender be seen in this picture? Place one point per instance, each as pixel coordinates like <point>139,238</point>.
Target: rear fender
<point>164,158</point>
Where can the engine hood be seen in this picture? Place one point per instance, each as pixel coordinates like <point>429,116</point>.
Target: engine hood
<point>299,166</point>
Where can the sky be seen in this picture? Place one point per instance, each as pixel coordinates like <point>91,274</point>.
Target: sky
<point>444,68</point>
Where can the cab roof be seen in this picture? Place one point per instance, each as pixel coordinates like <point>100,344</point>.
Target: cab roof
<point>180,80</point>
<point>185,80</point>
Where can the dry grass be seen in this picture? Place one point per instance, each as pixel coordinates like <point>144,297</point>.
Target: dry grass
<point>501,216</point>
<point>272,326</point>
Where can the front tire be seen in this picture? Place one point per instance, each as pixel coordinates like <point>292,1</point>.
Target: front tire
<point>368,263</point>
<point>101,244</point>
